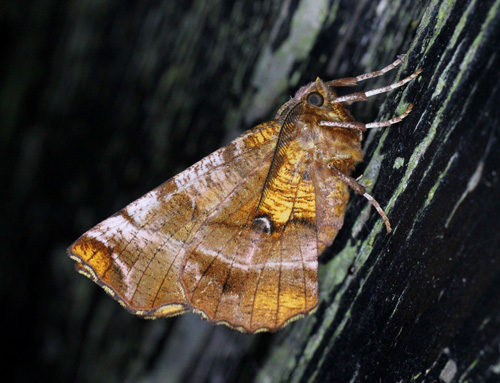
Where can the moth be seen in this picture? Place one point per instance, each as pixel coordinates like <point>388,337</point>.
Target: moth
<point>236,237</point>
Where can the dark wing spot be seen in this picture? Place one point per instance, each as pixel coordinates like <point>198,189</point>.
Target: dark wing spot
<point>263,223</point>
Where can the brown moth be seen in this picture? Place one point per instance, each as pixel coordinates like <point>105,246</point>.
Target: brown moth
<point>236,237</point>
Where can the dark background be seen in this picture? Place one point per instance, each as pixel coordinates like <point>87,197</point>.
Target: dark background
<point>102,100</point>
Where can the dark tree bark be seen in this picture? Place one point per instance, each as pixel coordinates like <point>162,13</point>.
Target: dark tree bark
<point>103,100</point>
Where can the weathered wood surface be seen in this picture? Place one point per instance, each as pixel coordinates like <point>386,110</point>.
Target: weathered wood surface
<point>102,101</point>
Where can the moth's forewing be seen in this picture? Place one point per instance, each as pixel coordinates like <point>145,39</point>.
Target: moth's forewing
<point>253,263</point>
<point>137,254</point>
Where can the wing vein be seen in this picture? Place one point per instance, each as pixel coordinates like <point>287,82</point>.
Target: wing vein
<point>257,286</point>
<point>230,267</point>
<point>290,219</point>
<point>277,160</point>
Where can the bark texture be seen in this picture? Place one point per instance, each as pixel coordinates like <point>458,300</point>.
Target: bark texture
<point>103,100</point>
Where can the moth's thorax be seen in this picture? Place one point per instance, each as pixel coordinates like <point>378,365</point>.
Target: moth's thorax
<point>338,146</point>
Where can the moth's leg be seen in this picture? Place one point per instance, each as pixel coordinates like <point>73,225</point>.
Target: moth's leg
<point>361,96</point>
<point>361,127</point>
<point>360,189</point>
<point>351,81</point>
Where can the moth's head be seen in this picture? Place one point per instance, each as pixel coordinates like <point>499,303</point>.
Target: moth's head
<point>317,102</point>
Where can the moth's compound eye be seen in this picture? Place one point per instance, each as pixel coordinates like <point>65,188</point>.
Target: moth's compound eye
<point>315,99</point>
